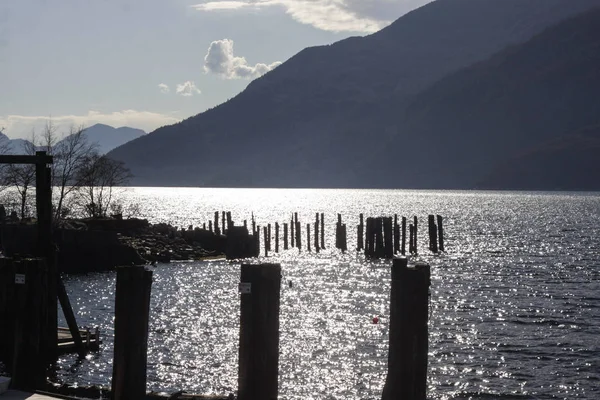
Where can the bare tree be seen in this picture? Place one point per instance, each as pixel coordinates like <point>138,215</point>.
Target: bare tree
<point>98,177</point>
<point>71,154</point>
<point>22,177</point>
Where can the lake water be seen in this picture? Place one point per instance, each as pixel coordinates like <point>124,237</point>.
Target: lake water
<point>515,301</point>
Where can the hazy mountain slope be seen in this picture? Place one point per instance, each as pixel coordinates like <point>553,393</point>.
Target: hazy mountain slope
<point>566,163</point>
<point>520,98</point>
<point>12,146</point>
<point>295,126</point>
<point>108,138</point>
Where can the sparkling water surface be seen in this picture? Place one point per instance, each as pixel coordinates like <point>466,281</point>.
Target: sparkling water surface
<point>515,300</point>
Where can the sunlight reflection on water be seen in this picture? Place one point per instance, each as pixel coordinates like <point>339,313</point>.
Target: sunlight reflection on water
<point>515,304</point>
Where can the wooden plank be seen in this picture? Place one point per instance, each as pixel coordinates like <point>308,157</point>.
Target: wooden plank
<point>17,395</point>
<point>25,159</point>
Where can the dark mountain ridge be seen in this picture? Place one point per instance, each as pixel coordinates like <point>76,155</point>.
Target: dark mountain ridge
<point>317,119</point>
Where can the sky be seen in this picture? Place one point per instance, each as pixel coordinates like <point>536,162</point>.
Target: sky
<point>149,63</point>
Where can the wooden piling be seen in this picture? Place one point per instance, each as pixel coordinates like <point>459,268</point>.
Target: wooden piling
<point>285,236</point>
<point>308,237</point>
<point>223,222</point>
<point>396,235</point>
<point>260,287</point>
<point>415,231</point>
<point>30,352</point>
<point>403,246</point>
<point>433,245</point>
<point>266,240</point>
<point>298,236</point>
<point>317,226</point>
<point>379,249</point>
<point>276,237</point>
<point>408,332</point>
<point>269,236</point>
<point>216,224</point>
<point>440,227</point>
<point>360,229</point>
<point>344,238</point>
<point>292,231</point>
<point>411,242</point>
<point>388,238</point>
<point>323,231</point>
<point>132,308</point>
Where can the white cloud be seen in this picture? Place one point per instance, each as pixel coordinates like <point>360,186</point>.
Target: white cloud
<point>220,60</point>
<point>164,88</point>
<point>187,89</point>
<point>366,16</point>
<point>21,126</point>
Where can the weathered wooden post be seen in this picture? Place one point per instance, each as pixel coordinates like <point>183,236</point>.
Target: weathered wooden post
<point>292,233</point>
<point>415,231</point>
<point>216,224</point>
<point>433,246</point>
<point>285,236</point>
<point>369,249</point>
<point>276,237</point>
<point>298,236</point>
<point>229,220</point>
<point>257,241</point>
<point>260,287</point>
<point>387,233</point>
<point>440,227</point>
<point>266,240</point>
<point>411,240</point>
<point>396,235</point>
<point>210,228</point>
<point>344,234</point>
<point>308,237</point>
<point>204,226</point>
<point>30,352</point>
<point>360,233</point>
<point>132,308</point>
<point>403,247</point>
<point>253,224</point>
<point>408,332</point>
<point>223,219</point>
<point>317,226</point>
<point>323,231</point>
<point>379,250</point>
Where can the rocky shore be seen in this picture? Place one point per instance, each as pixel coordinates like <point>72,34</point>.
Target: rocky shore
<point>102,244</point>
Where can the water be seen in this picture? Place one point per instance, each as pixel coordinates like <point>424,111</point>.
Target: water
<point>515,300</point>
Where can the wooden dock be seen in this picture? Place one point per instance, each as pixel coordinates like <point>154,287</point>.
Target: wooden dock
<point>66,344</point>
<point>17,395</point>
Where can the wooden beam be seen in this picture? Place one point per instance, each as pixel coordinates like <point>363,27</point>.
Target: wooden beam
<point>39,158</point>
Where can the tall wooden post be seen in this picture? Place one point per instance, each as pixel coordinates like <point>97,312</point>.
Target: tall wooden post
<point>270,236</point>
<point>415,231</point>
<point>379,250</point>
<point>408,332</point>
<point>308,237</point>
<point>317,226</point>
<point>360,234</point>
<point>260,287</point>
<point>216,224</point>
<point>411,240</point>
<point>403,246</point>
<point>323,231</point>
<point>292,233</point>
<point>132,308</point>
<point>266,240</point>
<point>298,236</point>
<point>223,224</point>
<point>276,237</point>
<point>285,236</point>
<point>30,358</point>
<point>440,227</point>
<point>433,246</point>
<point>387,234</point>
<point>396,235</point>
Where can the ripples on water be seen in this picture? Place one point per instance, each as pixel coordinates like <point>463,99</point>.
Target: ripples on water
<point>515,305</point>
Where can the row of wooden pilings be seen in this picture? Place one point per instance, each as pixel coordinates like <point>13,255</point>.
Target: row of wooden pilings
<point>380,237</point>
<point>258,373</point>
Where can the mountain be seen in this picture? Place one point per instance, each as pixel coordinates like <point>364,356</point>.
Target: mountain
<point>12,146</point>
<point>340,115</point>
<point>108,138</point>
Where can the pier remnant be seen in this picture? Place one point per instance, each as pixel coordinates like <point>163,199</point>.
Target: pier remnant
<point>260,287</point>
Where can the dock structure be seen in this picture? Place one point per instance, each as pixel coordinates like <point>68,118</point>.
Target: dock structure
<point>18,395</point>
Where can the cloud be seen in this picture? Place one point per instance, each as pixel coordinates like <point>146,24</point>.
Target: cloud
<point>187,89</point>
<point>21,126</point>
<point>365,16</point>
<point>220,60</point>
<point>164,88</point>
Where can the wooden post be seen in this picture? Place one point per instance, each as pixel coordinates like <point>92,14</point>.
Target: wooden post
<point>257,239</point>
<point>260,287</point>
<point>403,247</point>
<point>210,228</point>
<point>285,236</point>
<point>415,230</point>
<point>276,237</point>
<point>223,226</point>
<point>408,333</point>
<point>344,238</point>
<point>360,234</point>
<point>396,235</point>
<point>292,232</point>
<point>132,308</point>
<point>440,227</point>
<point>269,236</point>
<point>317,226</point>
<point>308,237</point>
<point>266,240</point>
<point>216,224</point>
<point>323,231</point>
<point>433,246</point>
<point>387,235</point>
<point>298,236</point>
<point>229,221</point>
<point>368,238</point>
<point>411,242</point>
<point>379,250</point>
<point>30,358</point>
<point>253,224</point>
